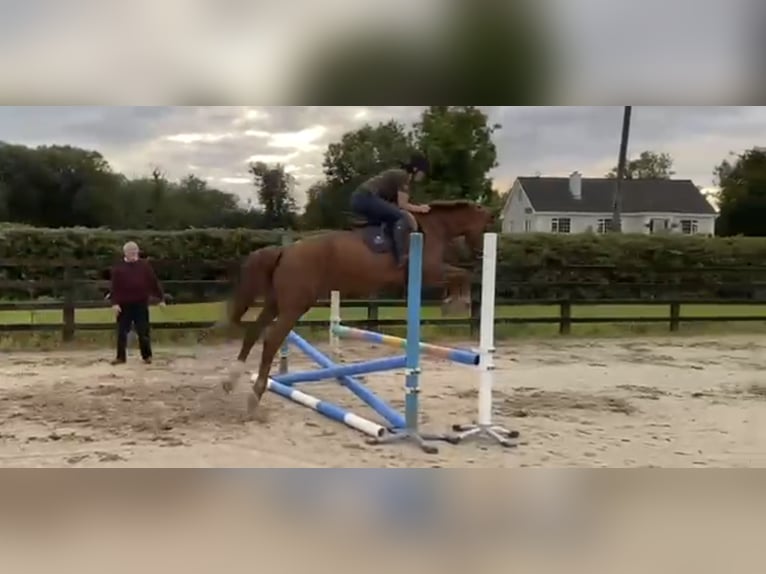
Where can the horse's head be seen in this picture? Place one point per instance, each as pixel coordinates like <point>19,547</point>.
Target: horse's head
<point>461,218</point>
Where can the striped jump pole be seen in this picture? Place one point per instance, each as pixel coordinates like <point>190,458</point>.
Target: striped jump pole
<point>330,410</point>
<point>483,426</point>
<point>462,356</point>
<point>412,383</point>
<point>391,415</point>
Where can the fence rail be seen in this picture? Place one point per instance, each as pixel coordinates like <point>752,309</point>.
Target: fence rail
<point>564,318</point>
<point>68,286</point>
<point>105,263</point>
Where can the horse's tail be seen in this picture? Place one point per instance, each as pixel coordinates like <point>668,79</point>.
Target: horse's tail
<point>255,280</point>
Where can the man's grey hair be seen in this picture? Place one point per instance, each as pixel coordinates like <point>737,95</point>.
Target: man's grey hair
<point>130,246</point>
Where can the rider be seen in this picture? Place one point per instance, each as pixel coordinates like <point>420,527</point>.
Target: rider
<point>385,200</point>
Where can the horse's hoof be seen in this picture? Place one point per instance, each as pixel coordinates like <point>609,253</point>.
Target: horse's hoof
<point>227,385</point>
<point>453,308</point>
<point>252,405</point>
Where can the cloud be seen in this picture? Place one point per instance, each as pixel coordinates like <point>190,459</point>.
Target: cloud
<point>218,143</point>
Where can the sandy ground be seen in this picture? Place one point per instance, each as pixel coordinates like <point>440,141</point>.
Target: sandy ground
<point>680,402</point>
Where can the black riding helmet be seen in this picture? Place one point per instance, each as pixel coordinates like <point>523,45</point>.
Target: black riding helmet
<point>417,162</point>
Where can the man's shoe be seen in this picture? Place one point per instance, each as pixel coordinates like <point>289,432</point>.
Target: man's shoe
<point>148,360</point>
<point>117,362</point>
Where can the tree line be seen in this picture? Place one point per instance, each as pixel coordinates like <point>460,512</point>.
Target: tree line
<point>64,186</point>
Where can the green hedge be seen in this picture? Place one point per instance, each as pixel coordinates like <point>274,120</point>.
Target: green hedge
<point>90,244</point>
<point>527,264</point>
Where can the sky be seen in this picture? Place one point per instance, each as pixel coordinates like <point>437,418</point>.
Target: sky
<point>137,58</point>
<point>217,143</point>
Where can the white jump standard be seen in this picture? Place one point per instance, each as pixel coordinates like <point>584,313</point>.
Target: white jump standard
<point>483,426</point>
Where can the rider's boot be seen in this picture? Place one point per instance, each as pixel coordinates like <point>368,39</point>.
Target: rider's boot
<point>400,236</point>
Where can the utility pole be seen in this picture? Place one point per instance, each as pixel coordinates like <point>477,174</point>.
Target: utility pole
<point>617,199</point>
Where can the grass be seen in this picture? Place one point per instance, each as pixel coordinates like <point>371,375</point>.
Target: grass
<point>214,311</point>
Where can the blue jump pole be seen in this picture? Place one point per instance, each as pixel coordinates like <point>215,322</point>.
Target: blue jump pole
<point>330,410</point>
<point>412,383</point>
<point>394,418</point>
<point>414,302</point>
<point>336,371</point>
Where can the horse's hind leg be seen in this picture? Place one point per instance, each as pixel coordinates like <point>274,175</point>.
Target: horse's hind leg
<point>252,334</point>
<point>271,344</point>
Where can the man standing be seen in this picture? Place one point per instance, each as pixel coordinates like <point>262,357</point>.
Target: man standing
<point>133,284</point>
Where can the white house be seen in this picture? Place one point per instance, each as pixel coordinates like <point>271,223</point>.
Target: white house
<point>576,205</point>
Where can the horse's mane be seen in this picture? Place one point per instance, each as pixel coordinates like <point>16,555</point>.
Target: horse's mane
<point>450,204</point>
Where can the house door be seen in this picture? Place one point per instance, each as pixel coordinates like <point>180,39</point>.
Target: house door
<point>659,225</point>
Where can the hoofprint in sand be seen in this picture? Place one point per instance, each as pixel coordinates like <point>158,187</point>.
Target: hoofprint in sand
<point>676,402</point>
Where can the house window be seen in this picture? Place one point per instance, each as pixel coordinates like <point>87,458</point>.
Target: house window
<point>527,225</point>
<point>604,225</point>
<point>561,224</point>
<point>689,226</point>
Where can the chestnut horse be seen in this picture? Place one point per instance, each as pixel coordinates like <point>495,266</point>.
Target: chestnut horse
<point>357,263</point>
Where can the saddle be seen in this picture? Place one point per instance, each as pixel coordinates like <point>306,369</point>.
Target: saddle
<point>359,222</point>
<point>377,237</point>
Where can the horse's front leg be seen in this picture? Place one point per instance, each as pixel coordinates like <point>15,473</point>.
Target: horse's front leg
<point>458,283</point>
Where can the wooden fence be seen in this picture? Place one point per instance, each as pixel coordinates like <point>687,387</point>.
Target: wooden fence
<point>564,317</point>
<point>70,291</point>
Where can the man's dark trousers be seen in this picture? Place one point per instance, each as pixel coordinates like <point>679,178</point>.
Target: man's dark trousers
<point>134,314</point>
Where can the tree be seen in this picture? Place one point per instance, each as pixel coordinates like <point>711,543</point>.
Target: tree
<point>364,152</point>
<point>64,186</point>
<point>459,146</point>
<point>319,213</point>
<point>4,192</point>
<point>456,139</point>
<point>57,186</point>
<point>275,194</point>
<point>359,155</point>
<point>742,199</point>
<point>648,165</point>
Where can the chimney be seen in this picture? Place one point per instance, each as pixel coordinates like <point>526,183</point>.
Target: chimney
<point>575,185</point>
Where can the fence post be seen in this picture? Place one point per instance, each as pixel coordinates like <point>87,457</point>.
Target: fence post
<point>565,317</point>
<point>675,316</point>
<point>372,315</point>
<point>68,309</point>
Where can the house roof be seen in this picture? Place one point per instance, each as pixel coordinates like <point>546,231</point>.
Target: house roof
<point>638,195</point>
